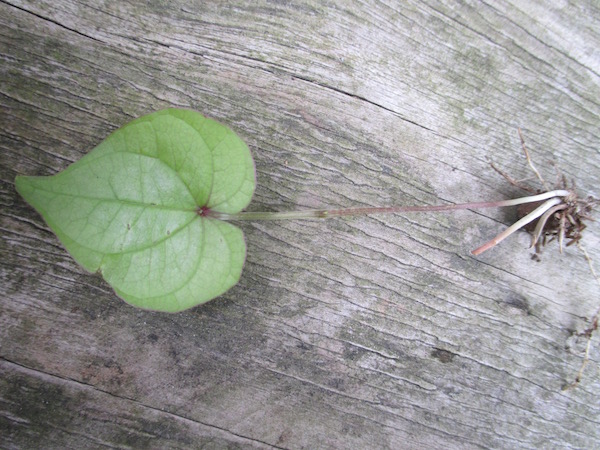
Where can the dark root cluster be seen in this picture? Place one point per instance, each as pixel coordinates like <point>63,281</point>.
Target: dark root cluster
<point>564,221</point>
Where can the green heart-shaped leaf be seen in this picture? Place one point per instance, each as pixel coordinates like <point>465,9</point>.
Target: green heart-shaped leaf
<point>132,209</point>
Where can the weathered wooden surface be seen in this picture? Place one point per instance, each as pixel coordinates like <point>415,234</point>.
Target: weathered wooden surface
<point>379,332</point>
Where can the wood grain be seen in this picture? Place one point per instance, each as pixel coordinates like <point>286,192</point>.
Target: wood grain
<point>378,332</point>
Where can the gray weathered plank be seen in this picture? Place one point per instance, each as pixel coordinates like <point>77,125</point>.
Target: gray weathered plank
<point>380,331</point>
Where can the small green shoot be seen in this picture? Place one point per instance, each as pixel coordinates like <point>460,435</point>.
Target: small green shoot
<point>150,209</point>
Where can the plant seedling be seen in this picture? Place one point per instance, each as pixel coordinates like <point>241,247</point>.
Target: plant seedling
<point>150,209</point>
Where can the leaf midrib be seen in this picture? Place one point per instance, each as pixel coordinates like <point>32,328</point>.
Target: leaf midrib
<point>126,202</point>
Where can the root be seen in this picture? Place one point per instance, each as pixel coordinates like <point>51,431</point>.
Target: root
<point>589,332</point>
<point>562,218</point>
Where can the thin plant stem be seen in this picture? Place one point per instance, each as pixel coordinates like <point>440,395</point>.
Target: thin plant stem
<point>328,213</point>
